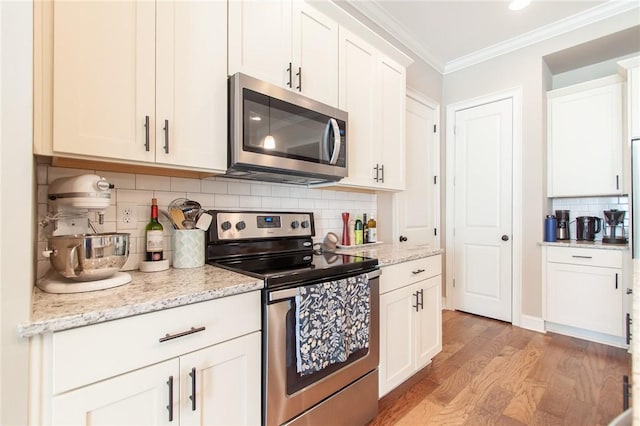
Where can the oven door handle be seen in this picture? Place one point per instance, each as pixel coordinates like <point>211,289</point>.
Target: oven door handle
<point>279,295</point>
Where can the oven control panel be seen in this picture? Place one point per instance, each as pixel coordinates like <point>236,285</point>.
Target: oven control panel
<point>233,225</point>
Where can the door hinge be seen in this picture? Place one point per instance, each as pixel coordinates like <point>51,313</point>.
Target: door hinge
<point>435,232</point>
<point>435,180</point>
<point>454,282</point>
<point>434,128</point>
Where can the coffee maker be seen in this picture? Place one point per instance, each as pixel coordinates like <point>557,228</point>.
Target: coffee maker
<point>562,232</point>
<point>614,232</point>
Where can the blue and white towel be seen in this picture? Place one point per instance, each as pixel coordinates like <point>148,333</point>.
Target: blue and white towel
<point>332,322</point>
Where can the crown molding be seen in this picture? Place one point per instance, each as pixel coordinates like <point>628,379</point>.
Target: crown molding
<point>378,15</point>
<point>579,20</point>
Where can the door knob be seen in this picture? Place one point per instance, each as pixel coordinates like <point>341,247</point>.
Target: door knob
<point>403,238</point>
<point>505,238</point>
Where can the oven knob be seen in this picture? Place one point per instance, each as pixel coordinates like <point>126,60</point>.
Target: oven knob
<point>295,224</point>
<point>241,225</point>
<point>226,225</point>
<point>305,223</point>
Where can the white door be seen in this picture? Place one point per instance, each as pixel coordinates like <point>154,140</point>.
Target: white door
<point>104,78</point>
<point>315,54</point>
<point>418,203</point>
<point>191,76</point>
<point>227,384</point>
<point>260,39</point>
<point>141,397</point>
<point>482,209</point>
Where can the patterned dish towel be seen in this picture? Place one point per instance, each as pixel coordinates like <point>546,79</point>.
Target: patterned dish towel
<point>332,322</point>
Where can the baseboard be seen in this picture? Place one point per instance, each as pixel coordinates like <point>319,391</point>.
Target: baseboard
<point>532,323</point>
<point>587,335</point>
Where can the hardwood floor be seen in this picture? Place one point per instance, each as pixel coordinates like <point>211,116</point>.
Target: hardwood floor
<point>491,373</point>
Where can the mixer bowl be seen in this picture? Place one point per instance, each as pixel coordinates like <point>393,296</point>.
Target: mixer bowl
<point>88,257</point>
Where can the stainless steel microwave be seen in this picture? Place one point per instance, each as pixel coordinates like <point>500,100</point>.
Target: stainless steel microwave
<point>278,135</point>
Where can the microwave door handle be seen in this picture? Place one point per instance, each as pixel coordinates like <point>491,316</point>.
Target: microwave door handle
<point>337,139</point>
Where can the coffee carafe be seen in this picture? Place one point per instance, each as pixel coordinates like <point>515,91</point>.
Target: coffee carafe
<point>587,227</point>
<point>614,232</point>
<point>562,216</point>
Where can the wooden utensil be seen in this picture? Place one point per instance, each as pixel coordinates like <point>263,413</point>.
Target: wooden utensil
<point>178,217</point>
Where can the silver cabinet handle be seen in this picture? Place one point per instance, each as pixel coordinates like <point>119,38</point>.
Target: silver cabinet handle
<point>581,257</point>
<point>170,406</point>
<point>289,83</point>
<point>146,133</point>
<point>166,136</point>
<point>184,333</point>
<point>417,303</point>
<point>382,171</point>
<point>417,271</point>
<point>299,74</point>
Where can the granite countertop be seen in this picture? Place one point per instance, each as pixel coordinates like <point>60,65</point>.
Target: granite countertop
<point>390,254</point>
<point>586,244</point>
<point>147,292</point>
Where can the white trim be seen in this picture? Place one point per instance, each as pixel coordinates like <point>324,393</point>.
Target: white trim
<point>533,323</point>
<point>592,336</point>
<point>517,234</point>
<point>381,17</point>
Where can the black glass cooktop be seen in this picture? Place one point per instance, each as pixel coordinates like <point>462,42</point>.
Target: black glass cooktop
<point>294,268</point>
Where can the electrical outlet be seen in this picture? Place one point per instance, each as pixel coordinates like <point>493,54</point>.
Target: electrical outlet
<point>126,216</point>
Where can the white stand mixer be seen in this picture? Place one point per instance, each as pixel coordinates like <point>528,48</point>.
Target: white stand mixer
<point>81,259</point>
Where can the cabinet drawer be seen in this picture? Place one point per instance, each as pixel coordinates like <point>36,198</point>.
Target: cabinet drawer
<point>585,256</point>
<point>402,274</point>
<point>89,354</point>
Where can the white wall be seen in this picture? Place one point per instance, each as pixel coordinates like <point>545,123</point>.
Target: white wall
<point>17,219</point>
<point>525,68</point>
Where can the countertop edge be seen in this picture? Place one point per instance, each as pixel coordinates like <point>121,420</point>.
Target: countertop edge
<point>587,244</point>
<point>31,329</point>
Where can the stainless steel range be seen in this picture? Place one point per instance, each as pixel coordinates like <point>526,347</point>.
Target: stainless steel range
<point>303,381</point>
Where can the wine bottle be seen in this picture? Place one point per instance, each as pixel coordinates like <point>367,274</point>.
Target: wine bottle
<point>372,232</point>
<point>365,236</point>
<point>154,235</point>
<point>358,229</point>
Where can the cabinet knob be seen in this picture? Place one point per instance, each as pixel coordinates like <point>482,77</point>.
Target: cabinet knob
<point>505,238</point>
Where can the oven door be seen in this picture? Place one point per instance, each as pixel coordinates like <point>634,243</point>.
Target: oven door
<point>286,393</point>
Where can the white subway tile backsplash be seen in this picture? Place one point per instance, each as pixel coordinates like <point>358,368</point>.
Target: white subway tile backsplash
<point>212,193</point>
<point>589,206</point>
<point>213,186</point>
<point>185,184</point>
<point>154,183</point>
<point>119,180</point>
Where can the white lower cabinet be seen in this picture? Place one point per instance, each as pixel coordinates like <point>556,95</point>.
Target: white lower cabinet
<point>410,319</point>
<point>193,365</point>
<point>585,293</point>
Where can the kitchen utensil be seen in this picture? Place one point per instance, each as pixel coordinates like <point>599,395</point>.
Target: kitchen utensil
<point>562,217</point>
<point>204,221</point>
<point>614,232</point>
<point>169,218</point>
<point>587,227</point>
<point>178,217</point>
<point>88,257</point>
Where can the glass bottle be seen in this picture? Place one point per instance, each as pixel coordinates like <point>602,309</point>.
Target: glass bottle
<point>154,233</point>
<point>359,231</point>
<point>372,232</point>
<point>365,236</point>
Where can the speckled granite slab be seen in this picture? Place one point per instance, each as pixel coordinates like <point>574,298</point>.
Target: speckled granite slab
<point>586,244</point>
<point>389,254</point>
<point>147,292</point>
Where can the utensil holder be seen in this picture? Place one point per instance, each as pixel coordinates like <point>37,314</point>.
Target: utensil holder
<point>188,248</point>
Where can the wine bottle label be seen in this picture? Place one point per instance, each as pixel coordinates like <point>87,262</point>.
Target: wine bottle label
<point>154,241</point>
<point>372,235</point>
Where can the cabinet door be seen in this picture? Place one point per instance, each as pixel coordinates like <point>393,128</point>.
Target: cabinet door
<point>585,142</point>
<point>357,92</point>
<point>137,398</point>
<point>191,71</point>
<point>227,384</point>
<point>103,78</point>
<point>391,124</point>
<point>429,321</point>
<point>585,297</point>
<point>634,102</point>
<point>260,39</point>
<point>315,54</point>
<point>397,335</point>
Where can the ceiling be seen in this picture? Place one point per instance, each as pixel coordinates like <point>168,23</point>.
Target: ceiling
<point>451,34</point>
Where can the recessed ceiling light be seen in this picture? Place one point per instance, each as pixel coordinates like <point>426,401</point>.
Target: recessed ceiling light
<point>518,4</point>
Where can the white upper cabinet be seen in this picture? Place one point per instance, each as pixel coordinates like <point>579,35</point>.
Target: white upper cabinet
<point>372,91</point>
<point>287,43</point>
<point>630,68</point>
<point>585,139</point>
<point>135,80</point>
